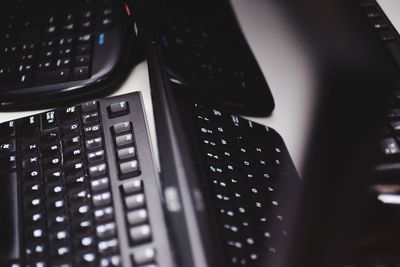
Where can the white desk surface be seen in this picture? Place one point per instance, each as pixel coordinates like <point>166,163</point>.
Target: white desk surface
<point>282,61</point>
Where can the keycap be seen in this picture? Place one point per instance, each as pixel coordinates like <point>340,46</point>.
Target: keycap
<point>108,247</point>
<point>389,146</point>
<point>126,153</point>
<point>118,109</point>
<point>135,201</point>
<point>101,199</point>
<point>130,167</point>
<point>110,261</point>
<point>107,230</point>
<point>52,76</point>
<point>122,127</point>
<point>137,217</point>
<point>81,73</point>
<point>97,170</point>
<point>49,121</point>
<point>138,234</point>
<point>90,118</point>
<point>122,140</point>
<point>144,256</point>
<point>104,214</point>
<point>92,143</point>
<point>89,107</point>
<point>95,156</point>
<point>99,184</point>
<point>132,187</point>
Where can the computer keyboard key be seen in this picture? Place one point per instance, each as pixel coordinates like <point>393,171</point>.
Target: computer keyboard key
<point>135,201</point>
<point>137,217</point>
<point>69,116</point>
<point>49,122</point>
<point>86,259</point>
<point>122,127</point>
<point>94,142</point>
<point>8,146</point>
<point>90,118</point>
<point>8,163</point>
<point>83,49</point>
<point>126,153</point>
<point>91,130</point>
<point>111,261</point>
<point>108,247</point>
<point>130,167</point>
<point>53,76</point>
<point>118,109</point>
<point>389,147</point>
<point>83,60</point>
<point>139,234</point>
<point>102,199</point>
<point>97,170</point>
<point>123,140</point>
<point>95,156</point>
<point>132,187</point>
<point>81,73</point>
<point>103,215</point>
<point>99,184</point>
<point>89,107</point>
<point>107,230</point>
<point>7,129</point>
<point>143,256</point>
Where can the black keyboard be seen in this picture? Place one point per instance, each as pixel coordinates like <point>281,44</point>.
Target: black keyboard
<point>384,28</point>
<point>79,189</point>
<point>249,177</point>
<point>52,48</point>
<point>205,50</point>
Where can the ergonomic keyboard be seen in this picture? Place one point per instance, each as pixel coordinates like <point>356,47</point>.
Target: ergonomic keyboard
<point>80,189</point>
<point>64,48</point>
<point>384,28</point>
<point>247,166</point>
<point>206,53</point>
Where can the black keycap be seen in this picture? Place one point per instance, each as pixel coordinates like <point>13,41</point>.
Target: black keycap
<point>53,76</point>
<point>390,147</point>
<point>95,142</point>
<point>99,184</point>
<point>97,170</point>
<point>90,130</point>
<point>135,201</point>
<point>122,127</point>
<point>122,140</point>
<point>81,73</point>
<point>118,109</point>
<point>8,163</point>
<point>49,121</point>
<point>95,156</point>
<point>8,146</point>
<point>126,153</point>
<point>83,49</point>
<point>139,234</point>
<point>102,199</point>
<point>69,115</point>
<point>7,129</point>
<point>90,118</point>
<point>145,255</point>
<point>132,187</point>
<point>89,107</point>
<point>130,167</point>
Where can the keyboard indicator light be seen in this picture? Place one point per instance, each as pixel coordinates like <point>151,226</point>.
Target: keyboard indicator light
<point>127,9</point>
<point>101,39</point>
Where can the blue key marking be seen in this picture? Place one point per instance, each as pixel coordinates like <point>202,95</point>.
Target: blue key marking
<point>101,39</point>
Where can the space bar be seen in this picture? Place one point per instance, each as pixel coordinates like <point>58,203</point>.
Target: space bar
<point>9,243</point>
